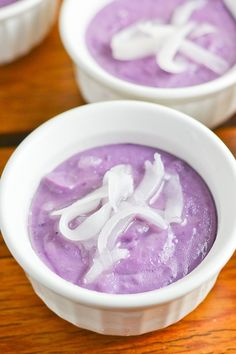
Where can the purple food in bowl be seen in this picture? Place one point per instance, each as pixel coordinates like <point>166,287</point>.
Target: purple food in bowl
<point>105,124</point>
<point>155,257</point>
<point>121,14</point>
<point>193,71</point>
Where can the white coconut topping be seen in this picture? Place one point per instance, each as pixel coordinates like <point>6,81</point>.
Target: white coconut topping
<point>204,57</point>
<point>155,29</point>
<point>144,212</point>
<point>204,30</point>
<point>108,211</point>
<point>120,184</point>
<point>166,55</point>
<point>86,204</point>
<point>153,177</point>
<point>183,13</point>
<point>157,194</point>
<point>165,41</point>
<point>104,262</point>
<point>133,43</point>
<point>117,186</point>
<point>89,228</point>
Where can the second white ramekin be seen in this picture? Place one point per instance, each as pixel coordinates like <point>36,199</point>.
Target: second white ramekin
<point>211,103</point>
<point>108,123</point>
<point>23,25</point>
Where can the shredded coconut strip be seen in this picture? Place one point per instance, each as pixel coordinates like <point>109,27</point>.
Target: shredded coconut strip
<point>165,57</point>
<point>88,228</point>
<point>135,43</point>
<point>157,194</point>
<point>84,205</point>
<point>165,41</point>
<point>120,184</point>
<point>147,213</point>
<point>204,57</point>
<point>105,261</point>
<point>183,13</point>
<point>151,182</point>
<point>204,30</point>
<point>155,29</point>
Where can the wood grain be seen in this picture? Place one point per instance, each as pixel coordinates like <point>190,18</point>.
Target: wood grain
<point>228,135</point>
<point>37,87</point>
<point>32,90</point>
<point>27,326</point>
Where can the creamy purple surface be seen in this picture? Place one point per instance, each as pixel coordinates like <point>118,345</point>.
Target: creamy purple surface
<point>120,14</point>
<point>7,2</point>
<point>153,261</point>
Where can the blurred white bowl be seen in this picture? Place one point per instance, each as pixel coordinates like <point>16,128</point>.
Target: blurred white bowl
<point>211,103</point>
<point>108,123</point>
<point>23,25</point>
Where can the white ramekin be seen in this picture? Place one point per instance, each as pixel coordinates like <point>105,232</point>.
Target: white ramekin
<point>210,103</point>
<point>23,25</point>
<point>108,123</point>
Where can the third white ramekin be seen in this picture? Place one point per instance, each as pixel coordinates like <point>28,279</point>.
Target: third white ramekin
<point>23,25</point>
<point>211,103</point>
<point>108,123</point>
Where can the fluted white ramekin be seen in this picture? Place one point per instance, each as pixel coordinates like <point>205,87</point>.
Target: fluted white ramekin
<point>23,25</point>
<point>107,123</point>
<point>211,103</point>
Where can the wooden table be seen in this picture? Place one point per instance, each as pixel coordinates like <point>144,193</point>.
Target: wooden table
<point>32,90</point>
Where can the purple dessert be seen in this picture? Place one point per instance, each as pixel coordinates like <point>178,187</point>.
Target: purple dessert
<point>7,2</point>
<point>122,219</point>
<point>181,43</point>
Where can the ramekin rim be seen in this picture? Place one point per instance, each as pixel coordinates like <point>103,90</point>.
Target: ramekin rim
<point>127,301</point>
<point>94,70</point>
<point>16,8</point>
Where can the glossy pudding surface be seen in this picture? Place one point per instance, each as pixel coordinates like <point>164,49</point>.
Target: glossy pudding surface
<point>214,31</point>
<point>153,222</point>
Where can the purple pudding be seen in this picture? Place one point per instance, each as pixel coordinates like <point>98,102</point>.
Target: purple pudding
<point>7,2</point>
<point>179,44</point>
<point>122,219</point>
